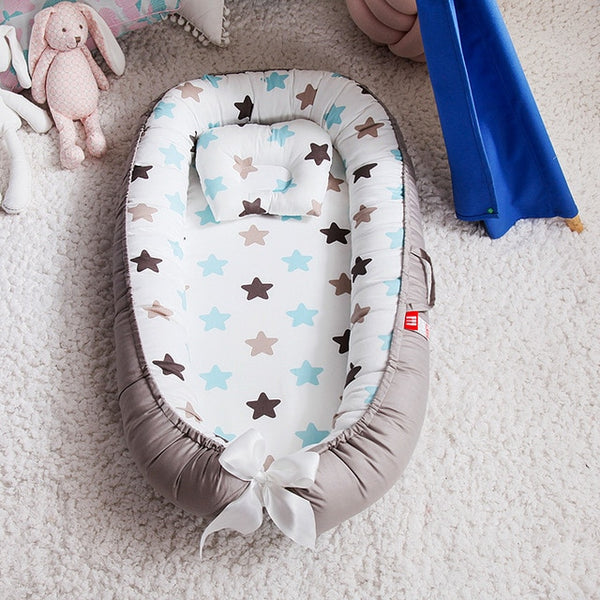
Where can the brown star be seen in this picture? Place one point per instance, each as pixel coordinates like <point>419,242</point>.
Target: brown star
<point>359,314</point>
<point>157,310</point>
<point>264,406</point>
<point>261,344</point>
<point>334,183</point>
<point>245,108</point>
<point>190,413</point>
<point>363,215</point>
<point>142,211</point>
<point>315,211</point>
<point>342,285</point>
<point>145,261</point>
<point>318,153</point>
<point>335,234</point>
<point>140,172</point>
<point>360,267</point>
<point>244,166</point>
<point>307,97</point>
<point>364,171</point>
<point>169,366</point>
<point>343,341</point>
<point>188,90</point>
<point>257,289</point>
<point>352,373</point>
<point>369,127</point>
<point>252,208</point>
<point>254,235</point>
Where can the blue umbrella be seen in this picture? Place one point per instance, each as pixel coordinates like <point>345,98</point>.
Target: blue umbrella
<point>502,162</point>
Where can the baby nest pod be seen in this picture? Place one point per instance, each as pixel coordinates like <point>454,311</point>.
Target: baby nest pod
<point>271,293</point>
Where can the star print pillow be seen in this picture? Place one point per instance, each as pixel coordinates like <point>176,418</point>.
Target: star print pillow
<point>279,169</point>
<point>121,16</point>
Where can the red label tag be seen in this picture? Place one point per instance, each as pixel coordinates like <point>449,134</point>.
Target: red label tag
<point>414,322</point>
<point>411,320</point>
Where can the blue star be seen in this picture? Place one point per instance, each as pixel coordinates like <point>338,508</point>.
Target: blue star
<point>333,116</point>
<point>177,250</point>
<point>183,298</point>
<point>215,319</point>
<point>393,286</point>
<point>172,156</point>
<point>284,186</point>
<point>297,261</point>
<point>205,138</point>
<point>397,193</point>
<point>280,135</point>
<point>212,79</point>
<point>175,203</point>
<point>397,238</point>
<point>397,154</point>
<point>307,374</point>
<point>164,109</point>
<point>302,315</point>
<point>213,186</point>
<point>206,216</point>
<point>275,80</point>
<point>291,218</point>
<point>212,265</point>
<point>311,435</point>
<point>215,378</point>
<point>226,436</point>
<point>387,341</point>
<point>371,390</point>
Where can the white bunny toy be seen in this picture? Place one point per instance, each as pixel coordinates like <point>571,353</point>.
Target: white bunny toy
<point>12,108</point>
<point>65,74</point>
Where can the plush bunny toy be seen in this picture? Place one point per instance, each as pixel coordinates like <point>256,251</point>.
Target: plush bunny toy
<point>65,74</point>
<point>12,108</point>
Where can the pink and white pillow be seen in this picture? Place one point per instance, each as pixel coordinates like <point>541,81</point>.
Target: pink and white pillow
<point>121,16</point>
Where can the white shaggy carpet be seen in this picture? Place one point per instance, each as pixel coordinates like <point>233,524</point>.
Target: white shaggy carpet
<point>501,499</point>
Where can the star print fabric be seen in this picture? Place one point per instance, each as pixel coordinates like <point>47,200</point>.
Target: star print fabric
<point>278,322</point>
<point>262,309</point>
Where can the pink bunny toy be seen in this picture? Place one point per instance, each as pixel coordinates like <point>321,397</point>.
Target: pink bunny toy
<point>66,76</point>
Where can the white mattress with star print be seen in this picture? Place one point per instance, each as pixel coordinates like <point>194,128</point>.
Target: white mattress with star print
<point>265,291</point>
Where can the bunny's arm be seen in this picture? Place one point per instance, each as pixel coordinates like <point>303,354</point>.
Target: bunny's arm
<point>40,72</point>
<point>34,115</point>
<point>96,70</point>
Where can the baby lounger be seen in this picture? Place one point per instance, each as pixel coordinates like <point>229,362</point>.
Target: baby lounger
<point>271,294</point>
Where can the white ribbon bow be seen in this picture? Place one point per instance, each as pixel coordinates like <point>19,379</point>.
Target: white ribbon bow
<point>245,458</point>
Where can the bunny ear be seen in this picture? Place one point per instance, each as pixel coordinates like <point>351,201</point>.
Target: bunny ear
<point>18,60</point>
<point>4,49</point>
<point>37,42</point>
<point>104,39</point>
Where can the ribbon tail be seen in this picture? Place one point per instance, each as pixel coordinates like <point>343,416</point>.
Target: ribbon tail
<point>293,515</point>
<point>245,515</point>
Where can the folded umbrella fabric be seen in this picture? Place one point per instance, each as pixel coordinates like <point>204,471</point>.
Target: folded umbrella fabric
<point>502,162</point>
